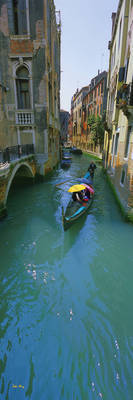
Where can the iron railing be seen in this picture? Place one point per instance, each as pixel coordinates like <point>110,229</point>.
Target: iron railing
<point>125,95</point>
<point>14,152</point>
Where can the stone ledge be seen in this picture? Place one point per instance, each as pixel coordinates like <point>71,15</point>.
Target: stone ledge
<point>126,211</point>
<point>4,169</point>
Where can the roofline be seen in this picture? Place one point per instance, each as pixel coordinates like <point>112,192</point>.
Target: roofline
<point>83,88</point>
<point>87,87</point>
<point>116,20</point>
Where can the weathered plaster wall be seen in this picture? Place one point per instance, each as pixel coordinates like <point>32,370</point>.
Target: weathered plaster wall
<point>25,168</point>
<point>36,46</point>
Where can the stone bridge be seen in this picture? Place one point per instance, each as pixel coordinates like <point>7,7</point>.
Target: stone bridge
<point>24,168</point>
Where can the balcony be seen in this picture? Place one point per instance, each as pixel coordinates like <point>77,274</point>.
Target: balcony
<point>124,100</point>
<point>24,118</point>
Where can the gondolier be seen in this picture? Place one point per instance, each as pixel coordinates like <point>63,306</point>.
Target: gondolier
<point>92,168</point>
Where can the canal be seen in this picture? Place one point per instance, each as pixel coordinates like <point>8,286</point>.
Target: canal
<point>66,326</point>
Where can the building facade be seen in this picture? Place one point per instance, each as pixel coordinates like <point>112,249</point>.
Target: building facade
<point>118,143</point>
<point>64,121</point>
<point>76,114</point>
<point>90,100</point>
<point>94,104</point>
<point>30,78</point>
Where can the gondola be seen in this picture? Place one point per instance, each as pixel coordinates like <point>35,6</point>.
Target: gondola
<point>66,156</point>
<point>75,209</point>
<point>74,150</point>
<point>66,160</point>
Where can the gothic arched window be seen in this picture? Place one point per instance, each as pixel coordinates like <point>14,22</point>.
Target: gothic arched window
<point>23,90</point>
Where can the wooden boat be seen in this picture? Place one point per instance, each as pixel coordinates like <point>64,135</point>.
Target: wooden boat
<point>76,209</point>
<point>66,156</point>
<point>74,150</point>
<point>66,160</point>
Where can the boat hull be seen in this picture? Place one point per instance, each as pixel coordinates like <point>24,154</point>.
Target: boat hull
<point>76,151</point>
<point>74,211</point>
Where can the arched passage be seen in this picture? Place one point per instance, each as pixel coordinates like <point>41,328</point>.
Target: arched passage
<point>20,170</point>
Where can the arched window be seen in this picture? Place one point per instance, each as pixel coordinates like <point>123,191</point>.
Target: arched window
<point>23,92</point>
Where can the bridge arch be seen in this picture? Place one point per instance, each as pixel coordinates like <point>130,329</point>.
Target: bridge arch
<point>25,170</point>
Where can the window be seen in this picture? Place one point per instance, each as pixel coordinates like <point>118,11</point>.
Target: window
<point>50,96</point>
<point>114,54</point>
<point>131,93</point>
<point>119,34</point>
<point>123,174</point>
<point>23,92</point>
<point>19,17</point>
<point>127,142</point>
<point>116,143</point>
<point>112,144</point>
<point>55,100</point>
<point>15,14</point>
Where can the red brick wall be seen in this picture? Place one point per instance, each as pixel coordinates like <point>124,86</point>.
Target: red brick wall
<point>21,46</point>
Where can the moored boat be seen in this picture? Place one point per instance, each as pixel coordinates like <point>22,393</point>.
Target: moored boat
<point>66,156</point>
<point>74,150</point>
<point>66,160</point>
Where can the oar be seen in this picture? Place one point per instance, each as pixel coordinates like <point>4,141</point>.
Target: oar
<point>68,180</point>
<point>60,188</point>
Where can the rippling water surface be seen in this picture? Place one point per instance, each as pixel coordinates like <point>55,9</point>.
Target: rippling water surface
<point>66,326</point>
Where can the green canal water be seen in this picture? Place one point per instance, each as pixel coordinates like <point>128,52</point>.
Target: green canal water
<point>66,319</point>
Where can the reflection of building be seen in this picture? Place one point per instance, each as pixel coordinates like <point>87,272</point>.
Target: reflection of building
<point>118,143</point>
<point>30,78</point>
<point>64,120</point>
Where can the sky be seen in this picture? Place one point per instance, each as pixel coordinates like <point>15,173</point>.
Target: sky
<point>85,32</point>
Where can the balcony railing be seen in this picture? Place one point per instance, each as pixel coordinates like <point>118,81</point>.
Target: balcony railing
<point>125,95</point>
<point>24,118</point>
<point>13,153</point>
